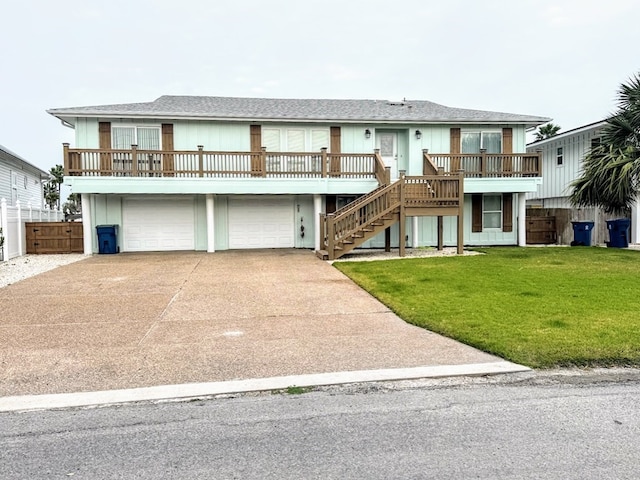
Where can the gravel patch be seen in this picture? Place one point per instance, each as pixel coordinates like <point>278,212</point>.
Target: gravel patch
<point>367,255</point>
<point>26,266</point>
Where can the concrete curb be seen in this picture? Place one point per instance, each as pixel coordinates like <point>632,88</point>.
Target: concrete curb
<point>194,390</point>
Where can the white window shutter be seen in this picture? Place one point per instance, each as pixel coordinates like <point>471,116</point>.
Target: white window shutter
<point>271,139</point>
<point>295,141</point>
<point>319,139</point>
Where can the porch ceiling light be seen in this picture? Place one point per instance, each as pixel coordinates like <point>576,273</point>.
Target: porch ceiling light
<point>367,133</point>
<point>418,134</point>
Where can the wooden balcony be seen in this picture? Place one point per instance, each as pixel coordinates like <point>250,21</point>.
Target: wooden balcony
<point>209,164</point>
<point>484,165</point>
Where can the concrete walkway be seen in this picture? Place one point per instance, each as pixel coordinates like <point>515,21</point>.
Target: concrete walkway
<point>127,321</point>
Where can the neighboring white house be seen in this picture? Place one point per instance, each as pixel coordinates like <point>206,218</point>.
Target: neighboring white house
<point>217,173</point>
<point>21,199</point>
<point>562,159</point>
<point>20,180</point>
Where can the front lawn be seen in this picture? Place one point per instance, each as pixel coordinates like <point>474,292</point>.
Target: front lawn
<point>541,307</point>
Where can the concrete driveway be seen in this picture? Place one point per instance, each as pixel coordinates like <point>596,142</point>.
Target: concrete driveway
<point>138,320</point>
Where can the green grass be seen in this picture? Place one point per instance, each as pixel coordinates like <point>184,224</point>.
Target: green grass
<point>542,307</point>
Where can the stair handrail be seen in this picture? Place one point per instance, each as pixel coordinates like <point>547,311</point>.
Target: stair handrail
<point>382,172</point>
<point>332,236</point>
<point>428,165</point>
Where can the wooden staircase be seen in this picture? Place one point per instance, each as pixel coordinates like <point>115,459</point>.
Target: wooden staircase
<point>371,214</point>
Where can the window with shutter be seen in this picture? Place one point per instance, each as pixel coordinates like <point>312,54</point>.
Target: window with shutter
<point>271,139</point>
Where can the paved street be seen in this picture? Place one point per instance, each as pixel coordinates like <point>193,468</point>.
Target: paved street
<point>481,429</point>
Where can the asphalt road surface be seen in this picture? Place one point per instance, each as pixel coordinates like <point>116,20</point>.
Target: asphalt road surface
<point>515,430</point>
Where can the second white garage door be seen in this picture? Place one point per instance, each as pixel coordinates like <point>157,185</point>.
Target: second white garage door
<point>158,224</point>
<point>261,222</point>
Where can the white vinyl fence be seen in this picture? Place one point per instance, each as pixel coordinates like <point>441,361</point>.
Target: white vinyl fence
<point>12,220</point>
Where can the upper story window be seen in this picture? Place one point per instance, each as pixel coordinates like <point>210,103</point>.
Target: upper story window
<point>294,139</point>
<point>560,156</point>
<point>473,142</point>
<point>146,138</point>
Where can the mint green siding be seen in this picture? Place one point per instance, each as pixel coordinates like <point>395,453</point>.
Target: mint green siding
<point>187,135</point>
<point>221,222</point>
<point>428,230</point>
<point>200,222</point>
<point>353,140</point>
<point>105,210</point>
<point>87,133</point>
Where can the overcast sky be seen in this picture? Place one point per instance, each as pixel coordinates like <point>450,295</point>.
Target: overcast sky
<point>556,58</point>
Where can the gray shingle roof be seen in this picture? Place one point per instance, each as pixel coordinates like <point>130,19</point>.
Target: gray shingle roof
<point>252,109</point>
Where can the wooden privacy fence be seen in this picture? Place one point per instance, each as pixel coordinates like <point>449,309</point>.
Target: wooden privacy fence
<point>12,221</point>
<point>54,237</point>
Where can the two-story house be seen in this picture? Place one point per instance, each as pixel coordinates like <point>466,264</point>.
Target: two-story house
<point>216,173</point>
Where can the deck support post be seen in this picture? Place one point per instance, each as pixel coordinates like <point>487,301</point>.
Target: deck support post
<point>402,225</point>
<point>331,236</point>
<point>387,239</point>
<point>323,159</point>
<point>87,231</point>
<point>201,160</point>
<point>211,233</point>
<point>317,221</point>
<point>440,233</point>
<point>522,219</point>
<point>460,249</point>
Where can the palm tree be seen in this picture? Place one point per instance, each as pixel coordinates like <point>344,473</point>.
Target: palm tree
<point>51,194</point>
<point>611,170</point>
<point>547,131</point>
<point>57,173</point>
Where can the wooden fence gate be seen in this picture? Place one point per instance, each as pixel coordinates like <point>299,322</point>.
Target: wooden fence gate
<point>541,230</point>
<point>54,237</point>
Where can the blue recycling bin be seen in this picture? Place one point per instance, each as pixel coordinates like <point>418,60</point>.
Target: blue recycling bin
<point>107,238</point>
<point>618,232</point>
<point>582,234</point>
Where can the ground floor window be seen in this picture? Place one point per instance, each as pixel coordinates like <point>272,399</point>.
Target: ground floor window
<point>492,211</point>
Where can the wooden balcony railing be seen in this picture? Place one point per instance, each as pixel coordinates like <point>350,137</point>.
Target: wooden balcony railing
<point>135,162</point>
<point>485,165</point>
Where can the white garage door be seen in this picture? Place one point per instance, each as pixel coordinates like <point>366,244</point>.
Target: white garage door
<point>160,224</point>
<point>261,222</point>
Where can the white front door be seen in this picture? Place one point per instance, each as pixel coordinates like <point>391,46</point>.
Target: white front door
<point>387,142</point>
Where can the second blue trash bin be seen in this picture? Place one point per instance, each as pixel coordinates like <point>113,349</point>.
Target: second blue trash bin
<point>618,232</point>
<point>582,234</point>
<point>107,238</point>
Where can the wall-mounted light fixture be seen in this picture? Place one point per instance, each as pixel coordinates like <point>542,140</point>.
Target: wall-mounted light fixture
<point>367,133</point>
<point>418,134</point>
